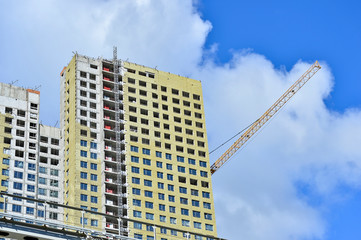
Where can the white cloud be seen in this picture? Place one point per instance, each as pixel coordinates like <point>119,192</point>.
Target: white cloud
<point>256,192</point>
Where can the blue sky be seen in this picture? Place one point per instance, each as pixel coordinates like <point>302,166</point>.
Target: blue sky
<point>300,178</point>
<point>287,31</point>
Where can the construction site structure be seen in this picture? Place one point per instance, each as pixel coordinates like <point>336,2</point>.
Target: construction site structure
<point>135,146</point>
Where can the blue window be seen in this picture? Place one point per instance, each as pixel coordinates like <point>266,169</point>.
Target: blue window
<point>42,191</point>
<point>163,230</point>
<point>158,154</point>
<point>171,198</point>
<point>148,194</point>
<point>205,194</point>
<point>137,225</point>
<point>202,163</point>
<point>83,186</point>
<point>180,159</point>
<point>161,196</point>
<point>161,185</point>
<point>146,151</point>
<point>85,221</point>
<point>208,216</point>
<point>149,216</point>
<point>41,213</point>
<point>18,186</point>
<point>83,143</point>
<point>17,174</point>
<point>5,172</point>
<point>191,161</point>
<point>83,164</point>
<point>204,174</point>
<point>181,169</point>
<point>149,228</point>
<point>94,166</point>
<point>31,166</point>
<point>93,156</point>
<point>209,227</point>
<point>93,145</point>
<point>94,199</point>
<point>138,236</point>
<point>134,149</point>
<point>83,175</point>
<point>170,177</point>
<point>185,223</point>
<point>94,188</point>
<point>94,177</point>
<point>4,183</point>
<point>16,208</point>
<point>159,175</point>
<point>135,180</point>
<point>194,192</point>
<point>94,209</point>
<point>168,156</point>
<point>134,159</point>
<point>207,205</point>
<point>162,218</point>
<point>173,220</point>
<point>137,214</point>
<point>146,161</point>
<point>135,169</point>
<point>161,207</point>
<point>192,171</point>
<point>43,170</point>
<point>184,211</point>
<point>83,153</point>
<point>19,164</point>
<point>197,225</point>
<point>149,205</point>
<point>147,183</point>
<point>147,172</point>
<point>42,180</point>
<point>6,161</point>
<point>171,209</point>
<point>183,190</point>
<point>83,197</point>
<point>94,222</point>
<point>137,202</point>
<point>196,214</point>
<point>159,164</point>
<point>183,200</point>
<point>31,177</point>
<point>169,166</point>
<point>195,203</point>
<point>170,187</point>
<point>136,191</point>
<point>30,210</point>
<point>15,198</point>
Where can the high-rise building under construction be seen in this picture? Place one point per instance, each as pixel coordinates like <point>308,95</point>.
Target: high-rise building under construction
<point>135,145</point>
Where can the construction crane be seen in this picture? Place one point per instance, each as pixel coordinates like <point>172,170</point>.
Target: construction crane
<point>265,117</point>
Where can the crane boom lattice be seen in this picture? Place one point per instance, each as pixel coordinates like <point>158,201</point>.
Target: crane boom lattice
<point>266,116</point>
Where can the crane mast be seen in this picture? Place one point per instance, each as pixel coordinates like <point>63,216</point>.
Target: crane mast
<point>265,117</point>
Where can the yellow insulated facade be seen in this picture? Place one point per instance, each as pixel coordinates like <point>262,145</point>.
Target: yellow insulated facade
<point>136,149</point>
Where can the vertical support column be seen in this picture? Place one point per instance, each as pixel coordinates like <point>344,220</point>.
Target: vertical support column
<point>45,211</point>
<point>119,226</point>
<point>82,219</point>
<point>155,232</point>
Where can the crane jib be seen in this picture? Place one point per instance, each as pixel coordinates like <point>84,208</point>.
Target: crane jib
<point>266,116</point>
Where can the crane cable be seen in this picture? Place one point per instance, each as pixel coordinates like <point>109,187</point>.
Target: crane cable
<point>232,137</point>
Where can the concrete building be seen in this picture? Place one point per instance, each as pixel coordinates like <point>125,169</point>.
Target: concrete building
<point>135,145</point>
<point>23,169</point>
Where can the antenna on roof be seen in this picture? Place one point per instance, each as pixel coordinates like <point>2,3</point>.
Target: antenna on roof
<point>37,87</point>
<point>13,82</point>
<point>56,123</point>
